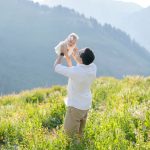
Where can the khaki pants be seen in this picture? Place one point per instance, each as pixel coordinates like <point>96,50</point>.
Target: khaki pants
<point>75,120</point>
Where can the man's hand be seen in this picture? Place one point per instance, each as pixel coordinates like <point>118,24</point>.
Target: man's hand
<point>64,49</point>
<point>75,53</point>
<point>58,60</point>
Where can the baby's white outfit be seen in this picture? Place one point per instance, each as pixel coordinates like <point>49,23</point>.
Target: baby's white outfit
<point>58,48</point>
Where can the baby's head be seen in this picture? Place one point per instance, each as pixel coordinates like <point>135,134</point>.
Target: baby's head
<point>72,39</point>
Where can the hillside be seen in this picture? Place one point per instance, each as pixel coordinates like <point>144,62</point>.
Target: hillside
<point>127,16</point>
<point>105,11</point>
<point>29,32</point>
<point>119,117</point>
<point>137,24</point>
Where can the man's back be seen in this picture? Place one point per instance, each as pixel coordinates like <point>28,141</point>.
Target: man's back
<point>80,79</point>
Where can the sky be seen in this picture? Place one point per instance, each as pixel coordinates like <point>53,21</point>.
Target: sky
<point>143,3</point>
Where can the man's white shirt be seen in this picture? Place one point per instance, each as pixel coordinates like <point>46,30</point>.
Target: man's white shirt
<point>80,79</point>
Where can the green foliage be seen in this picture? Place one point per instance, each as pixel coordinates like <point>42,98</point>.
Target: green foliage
<point>118,120</point>
<point>55,118</point>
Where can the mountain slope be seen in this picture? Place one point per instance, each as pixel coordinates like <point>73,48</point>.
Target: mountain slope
<point>105,11</point>
<point>129,17</point>
<point>137,24</point>
<point>29,32</point>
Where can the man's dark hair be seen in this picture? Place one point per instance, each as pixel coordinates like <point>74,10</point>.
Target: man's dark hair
<point>87,56</point>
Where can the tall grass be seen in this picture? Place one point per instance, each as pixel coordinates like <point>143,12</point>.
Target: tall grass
<point>118,120</point>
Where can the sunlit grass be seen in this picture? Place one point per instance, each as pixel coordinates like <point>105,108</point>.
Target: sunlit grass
<point>118,120</point>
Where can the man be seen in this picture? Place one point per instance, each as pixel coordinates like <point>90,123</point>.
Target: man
<point>79,97</point>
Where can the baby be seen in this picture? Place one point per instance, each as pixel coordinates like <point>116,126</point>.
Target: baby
<point>70,44</point>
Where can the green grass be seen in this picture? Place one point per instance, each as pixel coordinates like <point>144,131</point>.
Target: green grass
<point>118,120</point>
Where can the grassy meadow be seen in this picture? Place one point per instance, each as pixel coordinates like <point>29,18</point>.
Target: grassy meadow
<point>118,120</point>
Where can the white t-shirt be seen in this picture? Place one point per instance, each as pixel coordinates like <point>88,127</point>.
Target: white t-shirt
<point>80,79</point>
<point>58,50</point>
